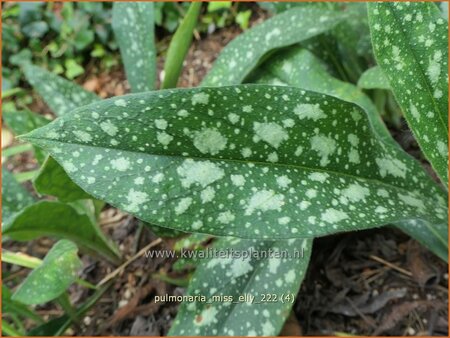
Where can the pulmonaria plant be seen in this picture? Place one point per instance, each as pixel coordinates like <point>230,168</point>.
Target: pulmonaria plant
<point>296,152</point>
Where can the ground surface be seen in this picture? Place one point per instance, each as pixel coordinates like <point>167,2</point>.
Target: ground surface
<point>376,282</point>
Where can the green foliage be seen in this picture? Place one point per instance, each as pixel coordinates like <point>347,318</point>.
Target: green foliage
<point>252,160</point>
<point>56,219</point>
<point>278,276</point>
<point>300,68</point>
<point>16,197</point>
<point>298,24</point>
<point>298,152</point>
<point>59,325</point>
<point>22,122</point>
<point>53,180</point>
<point>133,24</point>
<point>373,78</point>
<point>15,308</point>
<point>56,35</point>
<point>411,45</point>
<point>61,95</point>
<point>179,46</point>
<point>48,281</point>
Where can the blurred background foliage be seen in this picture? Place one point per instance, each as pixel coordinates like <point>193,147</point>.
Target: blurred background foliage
<point>67,37</point>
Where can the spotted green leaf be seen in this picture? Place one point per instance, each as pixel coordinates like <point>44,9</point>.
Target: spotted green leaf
<point>242,54</point>
<point>251,161</point>
<point>300,68</point>
<point>22,122</point>
<point>279,275</point>
<point>373,78</point>
<point>411,46</point>
<point>56,219</point>
<point>133,25</point>
<point>48,281</point>
<point>60,94</point>
<point>14,197</point>
<point>53,180</point>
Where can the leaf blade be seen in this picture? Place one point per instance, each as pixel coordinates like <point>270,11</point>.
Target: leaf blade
<point>293,26</point>
<point>60,94</point>
<point>14,197</point>
<point>415,60</point>
<point>133,25</point>
<point>53,180</point>
<point>300,68</point>
<point>373,78</point>
<point>49,218</point>
<point>274,274</point>
<point>48,281</point>
<point>285,187</point>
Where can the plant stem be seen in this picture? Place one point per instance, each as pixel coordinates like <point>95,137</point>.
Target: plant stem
<point>64,301</point>
<point>179,46</point>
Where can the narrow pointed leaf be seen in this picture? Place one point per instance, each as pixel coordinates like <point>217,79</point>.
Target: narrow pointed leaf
<point>373,78</point>
<point>432,236</point>
<point>133,25</point>
<point>22,122</point>
<point>14,196</point>
<point>179,46</point>
<point>55,219</point>
<point>60,94</point>
<point>242,54</point>
<point>410,41</point>
<point>48,281</point>
<point>273,280</point>
<point>252,161</point>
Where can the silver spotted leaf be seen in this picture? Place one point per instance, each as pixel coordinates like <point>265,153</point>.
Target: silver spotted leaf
<point>288,28</point>
<point>14,197</point>
<point>48,281</point>
<point>300,68</point>
<point>133,25</point>
<point>410,41</point>
<point>229,282</point>
<point>61,95</point>
<point>251,161</point>
<point>373,78</point>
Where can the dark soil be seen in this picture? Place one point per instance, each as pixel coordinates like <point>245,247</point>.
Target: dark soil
<point>377,282</point>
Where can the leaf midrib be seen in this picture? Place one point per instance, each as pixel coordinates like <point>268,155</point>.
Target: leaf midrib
<point>241,162</point>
